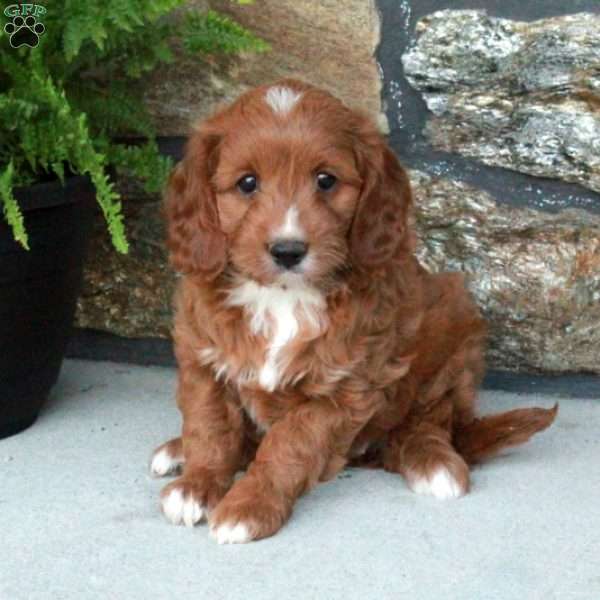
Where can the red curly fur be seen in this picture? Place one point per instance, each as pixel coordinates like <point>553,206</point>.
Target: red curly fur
<point>382,359</point>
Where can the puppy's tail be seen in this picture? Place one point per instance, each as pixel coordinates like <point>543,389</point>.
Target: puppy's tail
<point>486,436</point>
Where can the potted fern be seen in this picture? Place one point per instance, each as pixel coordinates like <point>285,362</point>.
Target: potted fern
<point>68,87</point>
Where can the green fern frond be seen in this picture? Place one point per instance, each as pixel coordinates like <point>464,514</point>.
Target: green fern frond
<point>86,159</point>
<point>144,162</point>
<point>116,110</point>
<point>110,204</point>
<point>98,22</point>
<point>211,32</point>
<point>10,208</point>
<point>74,144</point>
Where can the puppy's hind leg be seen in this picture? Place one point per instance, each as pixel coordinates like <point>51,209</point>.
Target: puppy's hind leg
<point>424,456</point>
<point>167,459</point>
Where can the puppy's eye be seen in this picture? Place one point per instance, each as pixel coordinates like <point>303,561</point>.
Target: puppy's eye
<point>325,181</point>
<point>247,184</point>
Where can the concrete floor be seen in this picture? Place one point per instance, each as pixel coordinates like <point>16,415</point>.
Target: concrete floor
<point>79,514</point>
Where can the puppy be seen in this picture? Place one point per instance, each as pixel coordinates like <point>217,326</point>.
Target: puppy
<point>307,334</point>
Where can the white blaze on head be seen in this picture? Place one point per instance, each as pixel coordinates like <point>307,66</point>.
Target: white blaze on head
<point>290,229</point>
<point>282,99</point>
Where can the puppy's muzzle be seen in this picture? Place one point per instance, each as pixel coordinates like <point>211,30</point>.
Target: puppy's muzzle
<point>288,253</point>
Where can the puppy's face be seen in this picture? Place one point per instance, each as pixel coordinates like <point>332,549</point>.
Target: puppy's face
<point>286,186</point>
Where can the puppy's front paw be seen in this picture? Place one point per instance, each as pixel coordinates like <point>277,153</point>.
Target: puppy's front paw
<point>244,515</point>
<point>182,503</point>
<point>187,500</point>
<point>167,459</point>
<point>181,506</point>
<point>231,534</point>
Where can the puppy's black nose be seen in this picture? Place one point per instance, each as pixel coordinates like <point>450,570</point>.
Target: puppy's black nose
<point>288,253</point>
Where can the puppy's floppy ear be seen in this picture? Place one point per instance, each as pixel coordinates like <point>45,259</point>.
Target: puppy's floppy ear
<point>380,225</point>
<point>196,243</point>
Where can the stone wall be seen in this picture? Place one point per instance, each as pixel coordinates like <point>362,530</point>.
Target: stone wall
<point>497,115</point>
<point>496,108</point>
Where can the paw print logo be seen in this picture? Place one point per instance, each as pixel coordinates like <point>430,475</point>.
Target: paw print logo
<point>24,32</point>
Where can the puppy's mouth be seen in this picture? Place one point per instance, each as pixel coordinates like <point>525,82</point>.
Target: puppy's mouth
<point>290,278</point>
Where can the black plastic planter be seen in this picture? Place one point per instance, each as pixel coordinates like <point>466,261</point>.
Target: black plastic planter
<point>38,292</point>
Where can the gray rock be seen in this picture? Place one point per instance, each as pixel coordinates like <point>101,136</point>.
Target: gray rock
<point>536,276</point>
<point>525,96</point>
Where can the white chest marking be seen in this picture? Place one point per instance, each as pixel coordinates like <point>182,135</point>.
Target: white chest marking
<point>276,313</point>
<point>282,99</point>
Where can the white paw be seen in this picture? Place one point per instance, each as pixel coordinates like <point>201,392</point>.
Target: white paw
<point>182,510</point>
<point>163,463</point>
<point>231,534</point>
<point>441,484</point>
